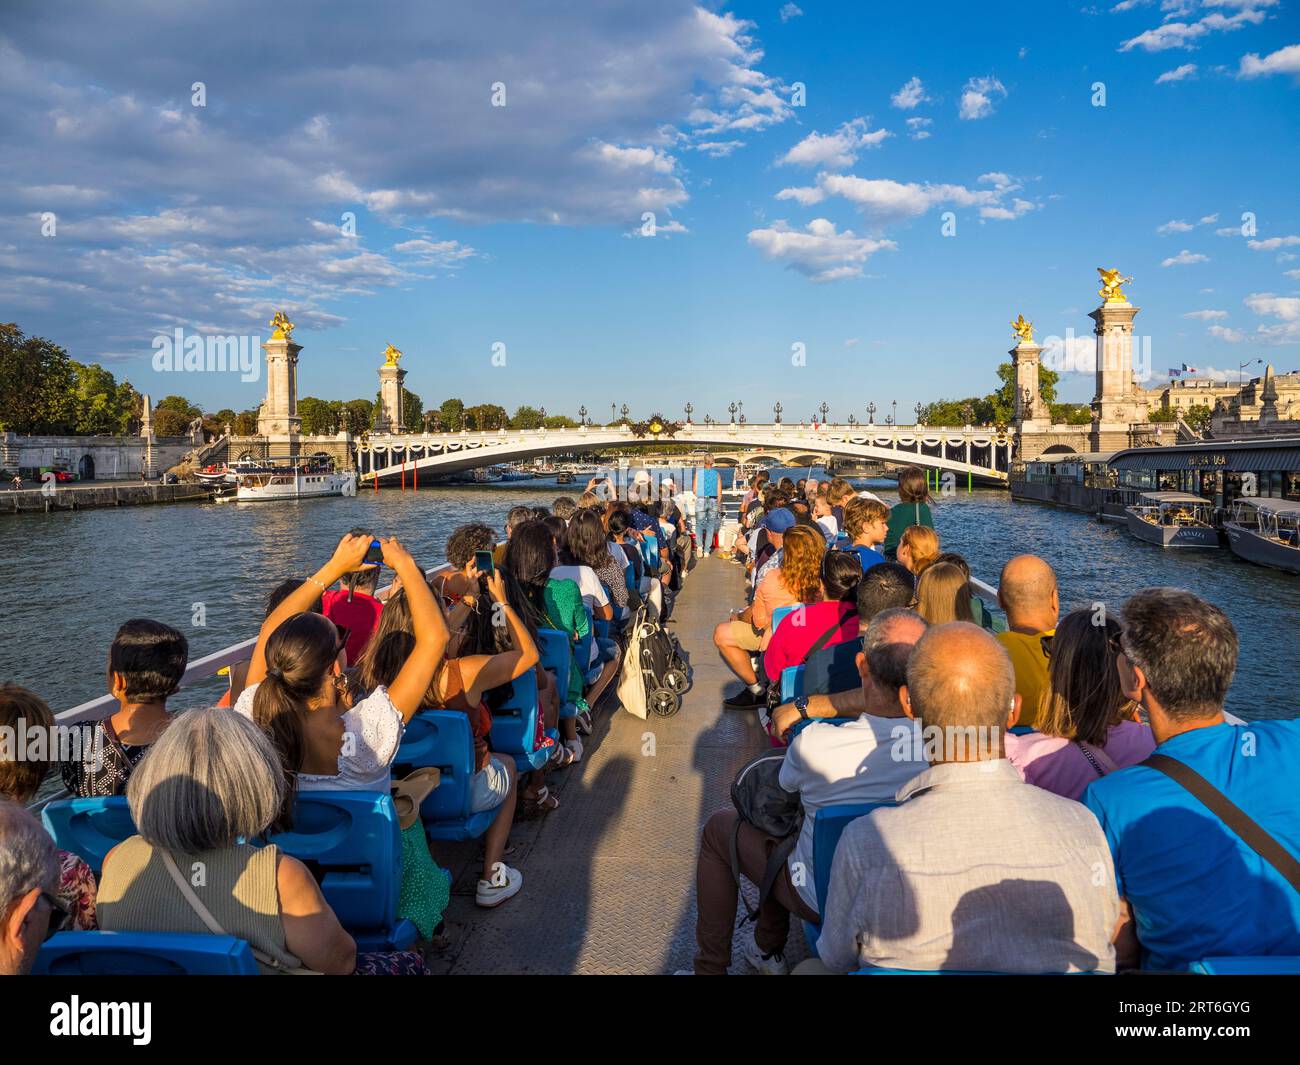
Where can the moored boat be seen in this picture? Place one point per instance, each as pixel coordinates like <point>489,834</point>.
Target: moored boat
<point>1266,531</point>
<point>1173,519</point>
<point>292,482</point>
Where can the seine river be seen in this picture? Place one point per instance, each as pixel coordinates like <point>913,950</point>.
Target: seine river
<point>71,578</point>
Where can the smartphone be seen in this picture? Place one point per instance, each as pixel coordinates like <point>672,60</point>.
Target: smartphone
<point>374,556</point>
<point>483,563</point>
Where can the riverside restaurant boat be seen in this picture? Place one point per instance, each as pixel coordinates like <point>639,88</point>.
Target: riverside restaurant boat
<point>1267,532</point>
<point>1173,519</point>
<point>292,482</point>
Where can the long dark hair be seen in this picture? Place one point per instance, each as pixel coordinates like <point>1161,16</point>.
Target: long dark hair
<point>299,655</point>
<point>1084,699</point>
<point>584,541</point>
<point>389,647</point>
<point>530,557</point>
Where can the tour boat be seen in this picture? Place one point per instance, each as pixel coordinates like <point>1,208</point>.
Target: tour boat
<point>1173,519</point>
<point>488,475</point>
<point>215,475</point>
<point>293,482</point>
<point>1266,531</point>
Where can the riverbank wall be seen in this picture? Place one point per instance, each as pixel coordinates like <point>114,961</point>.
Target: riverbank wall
<point>85,497</point>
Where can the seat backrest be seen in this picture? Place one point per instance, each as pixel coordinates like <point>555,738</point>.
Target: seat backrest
<point>554,648</point>
<point>791,682</point>
<point>1266,965</point>
<point>514,722</point>
<point>831,669</point>
<point>440,738</point>
<point>351,841</point>
<point>781,613</point>
<point>1021,730</point>
<point>828,826</point>
<point>650,551</point>
<point>89,828</point>
<point>144,954</point>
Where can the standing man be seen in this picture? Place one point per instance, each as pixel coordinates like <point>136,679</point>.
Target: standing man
<point>708,504</point>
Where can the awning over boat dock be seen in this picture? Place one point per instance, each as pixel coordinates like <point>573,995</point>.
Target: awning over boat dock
<point>1241,456</point>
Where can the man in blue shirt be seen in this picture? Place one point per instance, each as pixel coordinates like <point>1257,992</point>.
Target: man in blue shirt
<point>1193,887</point>
<point>708,504</point>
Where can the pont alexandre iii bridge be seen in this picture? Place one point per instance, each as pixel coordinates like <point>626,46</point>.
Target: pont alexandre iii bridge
<point>980,453</point>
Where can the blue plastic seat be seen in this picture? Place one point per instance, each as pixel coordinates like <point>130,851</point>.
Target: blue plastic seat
<point>832,669</point>
<point>1021,730</point>
<point>514,725</point>
<point>554,648</point>
<point>791,682</point>
<point>650,552</point>
<point>828,827</point>
<point>144,954</point>
<point>350,839</point>
<point>781,613</point>
<point>1260,965</point>
<point>443,738</point>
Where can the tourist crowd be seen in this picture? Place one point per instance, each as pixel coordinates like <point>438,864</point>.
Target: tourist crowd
<point>1055,794</point>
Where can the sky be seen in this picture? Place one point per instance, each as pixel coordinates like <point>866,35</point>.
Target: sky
<point>651,203</point>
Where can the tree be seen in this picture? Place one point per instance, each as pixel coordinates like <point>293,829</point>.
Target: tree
<point>452,414</point>
<point>1071,413</point>
<point>361,415</point>
<point>526,418</point>
<point>318,416</point>
<point>225,416</point>
<point>171,422</point>
<point>486,416</point>
<point>179,404</point>
<point>560,421</point>
<point>1161,414</point>
<point>246,423</point>
<point>412,409</point>
<point>37,384</point>
<point>1198,417</point>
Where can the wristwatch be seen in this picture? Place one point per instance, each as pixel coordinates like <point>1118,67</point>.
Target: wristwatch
<point>801,704</point>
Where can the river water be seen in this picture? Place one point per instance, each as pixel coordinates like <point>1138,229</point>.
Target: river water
<point>71,578</point>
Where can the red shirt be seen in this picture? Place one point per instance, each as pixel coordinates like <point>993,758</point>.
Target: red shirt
<point>360,616</point>
<point>792,642</point>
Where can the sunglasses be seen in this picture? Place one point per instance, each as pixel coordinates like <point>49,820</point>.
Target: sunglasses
<point>1046,643</point>
<point>344,634</point>
<point>60,915</point>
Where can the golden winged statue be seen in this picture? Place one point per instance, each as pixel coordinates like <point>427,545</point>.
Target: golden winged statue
<point>391,355</point>
<point>1024,330</point>
<point>282,326</point>
<point>1110,289</point>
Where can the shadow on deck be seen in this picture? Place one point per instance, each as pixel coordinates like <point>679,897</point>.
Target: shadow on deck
<point>609,877</point>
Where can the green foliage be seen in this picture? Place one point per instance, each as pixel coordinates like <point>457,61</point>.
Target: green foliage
<point>1161,414</point>
<point>170,422</point>
<point>452,415</point>
<point>246,423</point>
<point>180,405</point>
<point>319,417</point>
<point>1072,413</point>
<point>526,418</point>
<point>1198,417</point>
<point>37,384</point>
<point>412,409</point>
<point>486,416</point>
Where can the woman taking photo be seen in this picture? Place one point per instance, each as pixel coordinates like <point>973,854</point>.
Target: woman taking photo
<point>1086,728</point>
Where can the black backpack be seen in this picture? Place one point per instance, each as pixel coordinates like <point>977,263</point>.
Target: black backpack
<point>762,802</point>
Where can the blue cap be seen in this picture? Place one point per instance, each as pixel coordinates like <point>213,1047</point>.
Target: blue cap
<point>779,521</point>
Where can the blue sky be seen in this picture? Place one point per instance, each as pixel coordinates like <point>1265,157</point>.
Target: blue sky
<point>775,224</point>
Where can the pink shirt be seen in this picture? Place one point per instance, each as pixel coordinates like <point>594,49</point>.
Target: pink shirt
<point>1057,765</point>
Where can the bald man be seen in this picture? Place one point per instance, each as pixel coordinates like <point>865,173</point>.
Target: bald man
<point>1027,593</point>
<point>974,870</point>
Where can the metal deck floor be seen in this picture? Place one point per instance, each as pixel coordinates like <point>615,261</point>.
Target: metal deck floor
<point>609,877</point>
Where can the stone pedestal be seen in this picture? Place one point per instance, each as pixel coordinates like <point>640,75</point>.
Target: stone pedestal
<point>1118,401</point>
<point>1024,357</point>
<point>389,418</point>
<point>278,416</point>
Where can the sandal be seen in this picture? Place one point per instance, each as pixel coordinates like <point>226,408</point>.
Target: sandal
<point>543,803</point>
<point>583,722</point>
<point>561,759</point>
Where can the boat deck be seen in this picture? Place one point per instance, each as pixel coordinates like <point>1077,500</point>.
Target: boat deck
<point>609,877</point>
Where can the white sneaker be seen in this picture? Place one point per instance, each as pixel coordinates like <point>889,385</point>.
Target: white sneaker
<point>505,884</point>
<point>764,964</point>
<point>575,745</point>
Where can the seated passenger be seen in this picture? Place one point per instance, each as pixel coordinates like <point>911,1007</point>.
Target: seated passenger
<point>145,665</point>
<point>886,587</point>
<point>918,549</point>
<point>462,544</point>
<point>213,781</point>
<point>1195,887</point>
<point>912,508</point>
<point>980,613</point>
<point>831,621</point>
<point>974,870</point>
<point>943,594</point>
<point>866,521</point>
<point>826,766</point>
<point>29,878</point>
<point>563,508</point>
<point>515,518</point>
<point>1027,594</point>
<point>239,671</point>
<point>797,579</point>
<point>1087,728</point>
<point>586,552</point>
<point>770,543</point>
<point>21,775</point>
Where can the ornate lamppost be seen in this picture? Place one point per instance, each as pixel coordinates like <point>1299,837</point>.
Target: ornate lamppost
<point>624,411</point>
<point>742,419</point>
<point>732,408</point>
<point>776,409</point>
<point>613,414</point>
<point>708,419</point>
<point>871,414</point>
<point>894,419</point>
<point>889,419</point>
<point>427,415</point>
<point>852,421</point>
<point>968,412</point>
<point>1029,399</point>
<point>688,408</point>
<point>582,416</point>
<point>919,408</point>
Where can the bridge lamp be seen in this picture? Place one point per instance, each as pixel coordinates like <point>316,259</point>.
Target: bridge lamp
<point>688,408</point>
<point>871,414</point>
<point>823,408</point>
<point>894,419</point>
<point>624,411</point>
<point>582,415</point>
<point>776,409</point>
<point>966,410</point>
<point>852,421</point>
<point>919,409</point>
<point>732,409</point>
<point>742,419</point>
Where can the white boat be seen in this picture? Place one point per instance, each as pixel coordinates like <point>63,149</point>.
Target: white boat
<point>487,475</point>
<point>1173,519</point>
<point>1266,531</point>
<point>292,482</point>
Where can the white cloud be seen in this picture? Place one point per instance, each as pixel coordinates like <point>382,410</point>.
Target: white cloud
<point>852,342</point>
<point>1285,307</point>
<point>790,11</point>
<point>910,96</point>
<point>436,252</point>
<point>1273,243</point>
<point>1223,332</point>
<point>1209,219</point>
<point>977,97</point>
<point>1283,61</point>
<point>1293,274</point>
<point>1206,316</point>
<point>661,229</point>
<point>1185,257</point>
<point>835,150</point>
<point>1022,53</point>
<point>818,251</point>
<point>1185,34</point>
<point>919,127</point>
<point>1228,231</point>
<point>804,195</point>
<point>1177,226</point>
<point>1177,74</point>
<point>718,149</point>
<point>884,201</point>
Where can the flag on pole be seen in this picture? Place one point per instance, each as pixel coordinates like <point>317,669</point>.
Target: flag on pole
<point>1189,369</point>
<point>1173,372</point>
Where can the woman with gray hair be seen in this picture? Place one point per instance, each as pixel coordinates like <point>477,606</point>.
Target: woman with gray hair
<point>212,779</point>
<point>29,876</point>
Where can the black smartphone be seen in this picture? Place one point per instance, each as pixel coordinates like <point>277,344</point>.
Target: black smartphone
<point>483,563</point>
<point>375,556</point>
